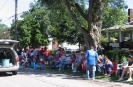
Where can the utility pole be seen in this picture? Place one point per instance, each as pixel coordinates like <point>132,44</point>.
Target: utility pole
<point>16,7</point>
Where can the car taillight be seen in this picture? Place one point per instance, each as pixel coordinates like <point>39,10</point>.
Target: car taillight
<point>17,59</point>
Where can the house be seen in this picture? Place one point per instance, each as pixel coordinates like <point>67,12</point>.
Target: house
<point>125,39</point>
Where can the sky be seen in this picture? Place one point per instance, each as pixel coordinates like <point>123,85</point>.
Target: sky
<point>7,9</point>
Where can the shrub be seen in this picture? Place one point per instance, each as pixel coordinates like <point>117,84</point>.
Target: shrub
<point>103,40</point>
<point>116,55</point>
<point>52,52</point>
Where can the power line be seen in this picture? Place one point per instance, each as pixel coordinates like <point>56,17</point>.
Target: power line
<point>3,4</point>
<point>8,18</point>
<point>11,17</point>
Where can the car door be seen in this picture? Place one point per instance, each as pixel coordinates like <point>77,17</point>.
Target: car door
<point>5,43</point>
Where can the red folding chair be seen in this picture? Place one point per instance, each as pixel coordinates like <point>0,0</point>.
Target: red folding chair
<point>114,69</point>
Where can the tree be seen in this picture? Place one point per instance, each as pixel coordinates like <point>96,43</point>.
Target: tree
<point>63,28</point>
<point>4,31</point>
<point>114,14</point>
<point>93,15</point>
<point>32,29</point>
<point>3,26</point>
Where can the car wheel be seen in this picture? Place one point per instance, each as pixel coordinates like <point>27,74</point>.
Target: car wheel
<point>14,72</point>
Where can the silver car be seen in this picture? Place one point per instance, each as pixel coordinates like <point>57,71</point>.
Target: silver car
<point>9,60</point>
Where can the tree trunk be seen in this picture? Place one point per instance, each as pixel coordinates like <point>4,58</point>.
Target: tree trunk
<point>94,18</point>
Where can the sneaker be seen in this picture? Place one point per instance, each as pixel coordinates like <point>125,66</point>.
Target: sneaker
<point>59,69</point>
<point>120,79</point>
<point>92,78</point>
<point>87,78</point>
<point>130,79</point>
<point>109,75</point>
<point>74,71</point>
<point>83,76</point>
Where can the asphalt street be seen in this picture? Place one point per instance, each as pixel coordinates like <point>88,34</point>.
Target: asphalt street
<point>28,77</point>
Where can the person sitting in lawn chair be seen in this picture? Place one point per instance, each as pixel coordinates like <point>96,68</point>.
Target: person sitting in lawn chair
<point>77,62</point>
<point>127,68</point>
<point>67,62</point>
<point>41,64</point>
<point>50,59</point>
<point>107,65</point>
<point>62,61</point>
<point>55,61</point>
<point>99,65</point>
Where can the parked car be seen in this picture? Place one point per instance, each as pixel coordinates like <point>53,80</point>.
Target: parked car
<point>68,52</point>
<point>9,60</point>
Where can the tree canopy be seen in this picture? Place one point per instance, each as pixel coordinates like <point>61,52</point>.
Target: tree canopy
<point>71,21</point>
<point>98,13</point>
<point>32,29</point>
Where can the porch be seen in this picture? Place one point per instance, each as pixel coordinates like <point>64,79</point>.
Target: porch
<point>125,37</point>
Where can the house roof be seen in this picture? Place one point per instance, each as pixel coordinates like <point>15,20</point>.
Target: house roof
<point>127,26</point>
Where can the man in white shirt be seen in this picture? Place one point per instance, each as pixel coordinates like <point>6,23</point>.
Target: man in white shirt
<point>64,60</point>
<point>128,67</point>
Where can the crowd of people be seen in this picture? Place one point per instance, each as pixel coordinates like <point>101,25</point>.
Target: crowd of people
<point>90,62</point>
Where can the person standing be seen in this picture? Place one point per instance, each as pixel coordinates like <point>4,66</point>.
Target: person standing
<point>47,53</point>
<point>100,49</point>
<point>91,56</point>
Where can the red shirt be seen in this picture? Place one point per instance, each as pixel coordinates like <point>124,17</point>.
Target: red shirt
<point>42,62</point>
<point>61,53</point>
<point>56,59</point>
<point>41,52</point>
<point>83,64</point>
<point>83,67</point>
<point>73,60</point>
<point>83,59</point>
<point>47,53</point>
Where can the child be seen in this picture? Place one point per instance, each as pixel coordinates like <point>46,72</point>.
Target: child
<point>41,64</point>
<point>107,65</point>
<point>84,68</point>
<point>83,64</point>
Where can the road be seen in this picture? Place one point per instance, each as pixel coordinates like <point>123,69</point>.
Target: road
<point>28,77</point>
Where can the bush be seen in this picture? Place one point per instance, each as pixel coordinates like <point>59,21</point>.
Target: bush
<point>116,55</point>
<point>103,40</point>
<point>52,52</point>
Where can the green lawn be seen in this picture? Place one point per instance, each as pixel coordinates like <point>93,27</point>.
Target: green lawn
<point>69,72</point>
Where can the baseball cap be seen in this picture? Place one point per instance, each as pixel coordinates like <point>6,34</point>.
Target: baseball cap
<point>130,56</point>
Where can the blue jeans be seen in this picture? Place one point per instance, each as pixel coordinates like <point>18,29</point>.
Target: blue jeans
<point>62,64</point>
<point>90,69</point>
<point>41,57</point>
<point>56,63</point>
<point>99,68</point>
<point>108,68</point>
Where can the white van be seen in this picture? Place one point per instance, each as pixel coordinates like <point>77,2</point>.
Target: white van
<point>9,60</point>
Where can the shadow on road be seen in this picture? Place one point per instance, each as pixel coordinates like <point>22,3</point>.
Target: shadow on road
<point>47,73</point>
<point>4,74</point>
<point>53,73</point>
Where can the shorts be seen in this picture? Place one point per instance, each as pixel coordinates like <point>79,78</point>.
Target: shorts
<point>132,69</point>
